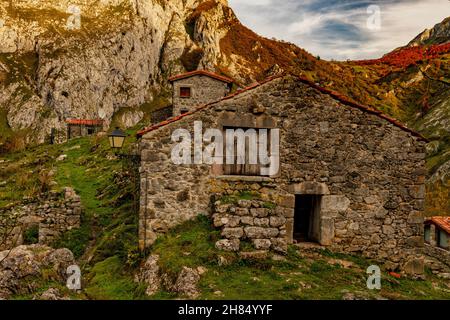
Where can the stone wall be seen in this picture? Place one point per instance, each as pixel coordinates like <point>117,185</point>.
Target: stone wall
<point>203,90</point>
<point>369,173</point>
<point>53,214</point>
<point>248,211</point>
<point>438,253</point>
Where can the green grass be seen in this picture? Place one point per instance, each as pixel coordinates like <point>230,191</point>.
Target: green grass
<point>297,277</point>
<point>108,281</point>
<point>106,243</point>
<point>109,225</point>
<point>190,245</point>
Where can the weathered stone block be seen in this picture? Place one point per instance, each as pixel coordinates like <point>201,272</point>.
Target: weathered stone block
<point>262,244</point>
<point>261,233</point>
<point>327,232</point>
<point>415,217</point>
<point>388,230</point>
<point>242,211</point>
<point>277,221</point>
<point>220,220</point>
<point>228,245</point>
<point>415,242</point>
<point>261,222</point>
<point>381,213</point>
<point>335,203</point>
<point>247,220</point>
<point>417,192</point>
<point>289,231</point>
<point>288,201</point>
<point>233,233</point>
<point>259,212</point>
<point>286,212</point>
<point>279,245</point>
<point>245,203</point>
<point>414,266</point>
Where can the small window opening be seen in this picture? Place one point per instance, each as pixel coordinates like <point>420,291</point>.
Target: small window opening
<point>185,92</point>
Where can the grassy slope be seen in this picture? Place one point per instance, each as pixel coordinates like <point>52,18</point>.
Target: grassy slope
<point>300,276</point>
<point>106,243</point>
<point>109,227</point>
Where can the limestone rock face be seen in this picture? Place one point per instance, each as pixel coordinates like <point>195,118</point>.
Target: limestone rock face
<point>440,33</point>
<point>88,59</point>
<point>21,263</point>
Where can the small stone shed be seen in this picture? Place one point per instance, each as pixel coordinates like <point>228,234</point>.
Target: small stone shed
<point>82,127</point>
<point>350,178</point>
<point>437,232</point>
<point>195,88</point>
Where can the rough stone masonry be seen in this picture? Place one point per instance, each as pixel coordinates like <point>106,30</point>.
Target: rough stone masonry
<point>52,214</point>
<point>366,170</point>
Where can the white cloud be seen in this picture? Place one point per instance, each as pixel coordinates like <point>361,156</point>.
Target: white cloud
<point>338,29</point>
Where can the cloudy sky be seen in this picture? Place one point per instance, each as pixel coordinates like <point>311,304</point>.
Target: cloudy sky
<point>342,29</point>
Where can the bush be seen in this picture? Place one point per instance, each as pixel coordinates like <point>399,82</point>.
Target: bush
<point>31,235</point>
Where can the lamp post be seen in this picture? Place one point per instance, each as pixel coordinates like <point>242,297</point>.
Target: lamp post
<point>117,139</point>
<point>131,165</point>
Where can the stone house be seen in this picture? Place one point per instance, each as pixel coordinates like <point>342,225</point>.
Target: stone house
<point>349,178</point>
<point>437,239</point>
<point>196,88</point>
<point>437,232</point>
<point>82,127</point>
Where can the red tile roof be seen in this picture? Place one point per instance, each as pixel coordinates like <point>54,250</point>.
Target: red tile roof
<point>201,73</point>
<point>96,122</point>
<point>335,95</point>
<point>441,222</point>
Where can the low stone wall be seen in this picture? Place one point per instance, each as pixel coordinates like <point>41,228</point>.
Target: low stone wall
<point>53,214</point>
<point>252,212</point>
<point>438,253</point>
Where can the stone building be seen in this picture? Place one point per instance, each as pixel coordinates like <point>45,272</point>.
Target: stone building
<point>437,239</point>
<point>196,88</point>
<point>349,177</point>
<point>437,232</point>
<point>82,128</point>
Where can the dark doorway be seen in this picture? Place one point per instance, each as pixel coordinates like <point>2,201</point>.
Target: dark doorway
<point>306,219</point>
<point>90,131</point>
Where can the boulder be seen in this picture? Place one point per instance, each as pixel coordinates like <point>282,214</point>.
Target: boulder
<point>20,264</point>
<point>186,283</point>
<point>52,294</point>
<point>149,275</point>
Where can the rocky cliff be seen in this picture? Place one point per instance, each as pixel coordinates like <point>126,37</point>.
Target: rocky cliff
<point>88,59</point>
<point>91,59</point>
<point>440,33</point>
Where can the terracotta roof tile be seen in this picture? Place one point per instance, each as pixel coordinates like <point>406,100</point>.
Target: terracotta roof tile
<point>441,222</point>
<point>200,73</point>
<point>95,122</point>
<point>335,95</point>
